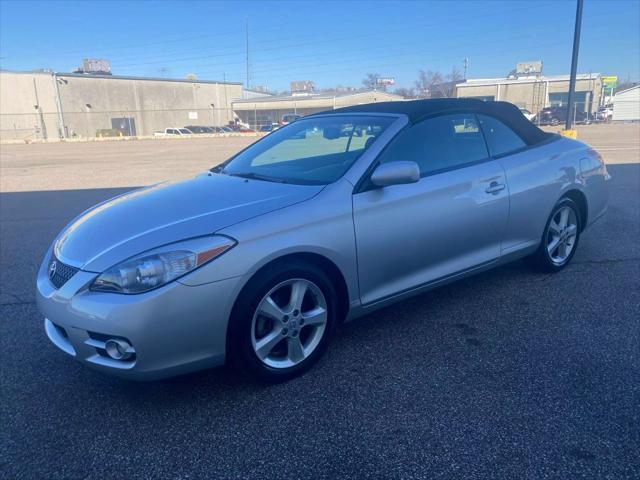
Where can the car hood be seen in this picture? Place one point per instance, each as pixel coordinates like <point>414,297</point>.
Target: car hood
<point>150,217</point>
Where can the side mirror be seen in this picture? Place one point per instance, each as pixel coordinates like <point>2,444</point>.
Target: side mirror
<point>331,133</point>
<point>395,173</point>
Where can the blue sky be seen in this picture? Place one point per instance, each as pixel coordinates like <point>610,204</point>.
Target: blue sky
<point>329,42</point>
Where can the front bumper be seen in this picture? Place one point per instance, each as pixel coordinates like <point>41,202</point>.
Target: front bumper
<point>175,329</point>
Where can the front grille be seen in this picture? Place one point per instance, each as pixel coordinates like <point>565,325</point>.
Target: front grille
<point>60,273</point>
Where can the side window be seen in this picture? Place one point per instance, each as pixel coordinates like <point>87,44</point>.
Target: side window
<point>439,143</point>
<point>500,138</point>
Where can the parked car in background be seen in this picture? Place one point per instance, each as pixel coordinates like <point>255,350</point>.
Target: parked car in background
<point>219,129</point>
<point>527,114</point>
<point>198,130</point>
<point>558,115</point>
<point>269,127</point>
<point>288,118</point>
<point>256,261</point>
<point>169,132</point>
<point>349,130</point>
<point>604,113</point>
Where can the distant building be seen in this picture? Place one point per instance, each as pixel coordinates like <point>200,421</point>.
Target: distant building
<point>626,105</point>
<point>302,87</point>
<point>535,92</point>
<point>253,93</point>
<point>267,110</point>
<point>47,105</point>
<point>95,66</point>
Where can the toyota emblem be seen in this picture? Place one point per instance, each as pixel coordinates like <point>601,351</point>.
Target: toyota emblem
<point>52,268</point>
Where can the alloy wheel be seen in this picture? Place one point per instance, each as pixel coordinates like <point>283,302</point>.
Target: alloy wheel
<point>289,323</point>
<point>562,234</point>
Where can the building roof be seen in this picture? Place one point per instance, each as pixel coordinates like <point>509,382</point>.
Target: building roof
<point>417,110</point>
<point>120,77</point>
<point>314,96</point>
<point>525,79</point>
<point>626,90</point>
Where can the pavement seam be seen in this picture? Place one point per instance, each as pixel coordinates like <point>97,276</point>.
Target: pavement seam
<point>607,261</point>
<point>9,304</point>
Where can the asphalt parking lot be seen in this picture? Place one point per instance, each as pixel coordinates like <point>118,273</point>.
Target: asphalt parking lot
<point>509,374</point>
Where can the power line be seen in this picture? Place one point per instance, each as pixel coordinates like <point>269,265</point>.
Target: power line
<point>482,54</point>
<point>279,45</point>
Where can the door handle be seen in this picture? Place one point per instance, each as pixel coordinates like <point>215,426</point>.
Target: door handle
<point>495,187</point>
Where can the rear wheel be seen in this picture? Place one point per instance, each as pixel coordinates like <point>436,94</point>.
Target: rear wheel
<point>560,238</point>
<point>283,321</point>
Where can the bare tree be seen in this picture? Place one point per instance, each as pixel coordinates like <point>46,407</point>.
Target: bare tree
<point>427,83</point>
<point>370,81</point>
<point>625,84</point>
<point>433,84</point>
<point>455,75</point>
<point>405,92</point>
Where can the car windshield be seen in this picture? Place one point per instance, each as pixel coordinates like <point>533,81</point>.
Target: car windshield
<point>184,131</point>
<point>312,151</point>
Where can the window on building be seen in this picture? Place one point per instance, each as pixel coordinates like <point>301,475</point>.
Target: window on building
<point>561,99</point>
<point>439,143</point>
<point>500,138</point>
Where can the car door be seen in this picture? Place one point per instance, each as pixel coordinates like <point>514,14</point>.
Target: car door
<point>452,220</point>
<point>534,182</point>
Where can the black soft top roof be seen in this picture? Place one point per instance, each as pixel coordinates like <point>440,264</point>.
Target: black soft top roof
<point>416,110</point>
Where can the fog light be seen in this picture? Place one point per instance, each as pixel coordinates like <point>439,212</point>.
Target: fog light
<point>119,349</point>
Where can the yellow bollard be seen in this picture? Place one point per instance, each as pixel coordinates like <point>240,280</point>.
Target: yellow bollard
<point>569,133</point>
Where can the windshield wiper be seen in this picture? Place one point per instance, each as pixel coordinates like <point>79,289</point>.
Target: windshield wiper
<point>255,176</point>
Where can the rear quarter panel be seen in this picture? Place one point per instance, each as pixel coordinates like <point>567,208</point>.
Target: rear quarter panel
<point>595,179</point>
<point>537,178</point>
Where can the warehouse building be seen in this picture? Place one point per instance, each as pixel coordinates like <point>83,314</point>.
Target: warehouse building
<point>626,105</point>
<point>257,112</point>
<point>46,105</point>
<point>535,92</point>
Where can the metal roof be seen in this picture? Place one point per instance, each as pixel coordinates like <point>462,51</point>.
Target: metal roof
<point>314,96</point>
<point>120,77</point>
<point>527,79</point>
<point>620,92</point>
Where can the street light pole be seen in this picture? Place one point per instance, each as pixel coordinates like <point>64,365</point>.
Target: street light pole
<point>574,63</point>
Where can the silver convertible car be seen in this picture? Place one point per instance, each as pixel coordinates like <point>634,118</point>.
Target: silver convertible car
<point>256,261</point>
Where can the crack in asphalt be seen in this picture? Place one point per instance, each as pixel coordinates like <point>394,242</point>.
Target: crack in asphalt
<point>607,261</point>
<point>9,304</point>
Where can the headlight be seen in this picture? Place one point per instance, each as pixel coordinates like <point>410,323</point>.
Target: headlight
<point>158,267</point>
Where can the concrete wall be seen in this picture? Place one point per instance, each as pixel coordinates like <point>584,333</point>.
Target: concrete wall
<point>27,106</point>
<point>89,103</point>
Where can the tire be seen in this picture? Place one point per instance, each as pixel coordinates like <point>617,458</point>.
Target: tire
<point>290,344</point>
<point>554,122</point>
<point>560,238</point>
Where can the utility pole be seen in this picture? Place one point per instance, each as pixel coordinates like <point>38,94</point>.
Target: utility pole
<point>574,64</point>
<point>466,64</point>
<point>247,38</point>
<point>227,115</point>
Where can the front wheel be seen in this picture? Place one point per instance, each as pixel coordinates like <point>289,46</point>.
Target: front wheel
<point>282,321</point>
<point>560,238</point>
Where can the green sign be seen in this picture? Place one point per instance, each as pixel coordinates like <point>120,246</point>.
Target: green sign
<point>610,83</point>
